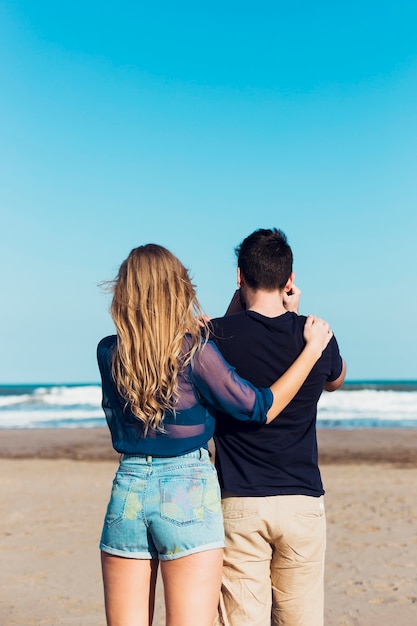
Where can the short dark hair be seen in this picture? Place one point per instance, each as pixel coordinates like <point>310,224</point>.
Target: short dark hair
<point>265,259</point>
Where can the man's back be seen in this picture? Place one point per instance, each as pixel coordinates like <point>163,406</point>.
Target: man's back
<point>272,494</point>
<point>281,458</point>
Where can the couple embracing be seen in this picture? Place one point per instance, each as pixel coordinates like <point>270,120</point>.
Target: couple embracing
<point>251,380</point>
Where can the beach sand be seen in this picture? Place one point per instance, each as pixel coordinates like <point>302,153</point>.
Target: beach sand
<point>54,489</point>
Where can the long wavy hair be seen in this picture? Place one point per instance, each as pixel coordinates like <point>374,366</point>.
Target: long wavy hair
<point>154,304</point>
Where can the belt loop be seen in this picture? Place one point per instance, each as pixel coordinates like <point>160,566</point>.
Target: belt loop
<point>201,453</point>
<point>149,458</point>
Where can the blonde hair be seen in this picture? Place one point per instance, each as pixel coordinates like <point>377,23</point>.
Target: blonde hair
<point>154,304</point>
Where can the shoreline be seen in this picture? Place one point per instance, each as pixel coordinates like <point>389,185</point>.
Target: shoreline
<point>336,446</point>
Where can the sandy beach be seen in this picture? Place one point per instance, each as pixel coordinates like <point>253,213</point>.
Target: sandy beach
<point>55,485</point>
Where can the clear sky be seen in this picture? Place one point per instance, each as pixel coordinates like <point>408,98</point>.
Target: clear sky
<point>190,124</point>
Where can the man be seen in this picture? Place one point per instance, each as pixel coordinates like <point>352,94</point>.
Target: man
<point>272,493</point>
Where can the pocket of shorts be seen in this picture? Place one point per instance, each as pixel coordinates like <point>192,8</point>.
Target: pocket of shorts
<point>119,498</point>
<point>182,500</point>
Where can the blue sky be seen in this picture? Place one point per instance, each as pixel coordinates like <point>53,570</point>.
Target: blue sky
<point>190,125</point>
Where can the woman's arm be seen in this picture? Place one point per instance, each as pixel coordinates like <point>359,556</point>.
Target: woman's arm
<point>317,335</point>
<point>224,390</point>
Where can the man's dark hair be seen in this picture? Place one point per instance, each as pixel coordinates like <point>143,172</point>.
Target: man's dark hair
<point>265,259</point>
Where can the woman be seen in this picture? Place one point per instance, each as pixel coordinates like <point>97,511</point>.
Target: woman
<point>163,381</point>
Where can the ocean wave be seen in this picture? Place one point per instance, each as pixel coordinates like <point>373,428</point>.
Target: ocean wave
<point>66,406</point>
<point>69,396</point>
<point>14,400</point>
<point>368,402</point>
<point>54,396</point>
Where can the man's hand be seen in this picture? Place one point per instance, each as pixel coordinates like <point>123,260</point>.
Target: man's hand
<point>292,300</point>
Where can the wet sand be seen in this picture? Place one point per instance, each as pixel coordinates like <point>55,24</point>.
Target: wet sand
<point>55,485</point>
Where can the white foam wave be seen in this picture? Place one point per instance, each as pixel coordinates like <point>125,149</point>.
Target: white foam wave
<point>12,400</point>
<point>365,403</point>
<point>55,396</point>
<point>67,396</point>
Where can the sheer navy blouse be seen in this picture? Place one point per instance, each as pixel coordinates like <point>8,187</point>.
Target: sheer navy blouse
<point>209,384</point>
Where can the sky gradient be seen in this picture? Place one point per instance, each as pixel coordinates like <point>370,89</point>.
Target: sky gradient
<point>190,125</point>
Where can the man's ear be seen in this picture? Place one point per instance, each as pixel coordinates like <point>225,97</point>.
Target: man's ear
<point>289,283</point>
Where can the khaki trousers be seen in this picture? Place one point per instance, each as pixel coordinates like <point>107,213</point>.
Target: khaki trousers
<point>274,561</point>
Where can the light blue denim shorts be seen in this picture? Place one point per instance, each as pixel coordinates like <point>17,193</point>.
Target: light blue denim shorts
<point>163,508</point>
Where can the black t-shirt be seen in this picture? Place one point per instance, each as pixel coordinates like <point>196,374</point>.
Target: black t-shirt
<point>280,458</point>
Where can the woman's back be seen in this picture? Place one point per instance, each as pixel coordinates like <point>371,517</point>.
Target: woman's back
<point>205,385</point>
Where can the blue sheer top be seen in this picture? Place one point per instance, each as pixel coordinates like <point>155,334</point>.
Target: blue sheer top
<point>209,384</point>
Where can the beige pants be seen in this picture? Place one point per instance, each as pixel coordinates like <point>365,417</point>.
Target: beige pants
<point>274,561</point>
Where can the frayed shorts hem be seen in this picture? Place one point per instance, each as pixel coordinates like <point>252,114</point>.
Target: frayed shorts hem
<point>162,557</point>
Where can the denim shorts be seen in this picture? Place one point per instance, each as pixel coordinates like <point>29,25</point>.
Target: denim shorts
<point>163,508</point>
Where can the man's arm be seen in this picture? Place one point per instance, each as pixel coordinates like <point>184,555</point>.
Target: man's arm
<point>335,384</point>
<point>236,305</point>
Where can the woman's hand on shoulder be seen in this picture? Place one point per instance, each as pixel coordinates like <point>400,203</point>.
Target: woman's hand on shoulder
<point>317,333</point>
<point>203,320</point>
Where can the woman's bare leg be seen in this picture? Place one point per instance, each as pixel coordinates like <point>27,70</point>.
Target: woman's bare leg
<point>192,588</point>
<point>129,590</point>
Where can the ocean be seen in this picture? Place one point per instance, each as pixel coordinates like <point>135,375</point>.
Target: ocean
<point>359,404</point>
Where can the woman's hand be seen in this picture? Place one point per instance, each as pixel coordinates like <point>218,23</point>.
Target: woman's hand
<point>203,320</point>
<point>317,333</point>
